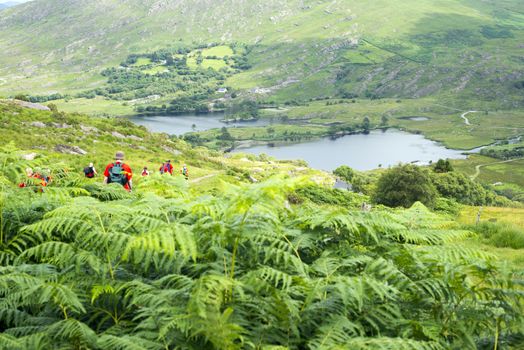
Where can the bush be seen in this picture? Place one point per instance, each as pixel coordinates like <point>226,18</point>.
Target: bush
<point>405,185</point>
<point>345,173</point>
<point>448,206</point>
<point>322,195</point>
<point>443,166</point>
<point>461,188</point>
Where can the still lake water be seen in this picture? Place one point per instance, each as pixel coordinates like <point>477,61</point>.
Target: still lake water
<point>362,152</point>
<point>180,124</point>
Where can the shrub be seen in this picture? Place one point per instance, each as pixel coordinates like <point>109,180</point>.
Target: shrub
<point>322,195</point>
<point>443,166</point>
<point>461,188</point>
<point>404,185</point>
<point>345,173</point>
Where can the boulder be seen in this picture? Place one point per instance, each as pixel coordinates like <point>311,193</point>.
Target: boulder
<point>171,150</point>
<point>118,135</point>
<point>70,149</point>
<point>61,126</point>
<point>134,137</point>
<point>38,124</point>
<point>30,156</point>
<point>31,105</point>
<point>88,129</point>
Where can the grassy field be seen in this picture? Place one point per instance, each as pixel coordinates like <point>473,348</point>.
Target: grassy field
<point>95,106</point>
<point>511,216</point>
<point>214,64</point>
<point>492,170</point>
<point>468,215</point>
<point>442,123</point>
<point>220,51</point>
<point>142,61</point>
<point>156,70</point>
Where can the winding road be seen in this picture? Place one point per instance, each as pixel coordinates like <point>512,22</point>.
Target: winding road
<point>466,120</point>
<point>477,168</point>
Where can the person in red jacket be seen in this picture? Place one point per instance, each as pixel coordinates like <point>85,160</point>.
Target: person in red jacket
<point>166,167</point>
<point>119,172</point>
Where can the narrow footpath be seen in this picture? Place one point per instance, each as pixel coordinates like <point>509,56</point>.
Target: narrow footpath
<point>477,168</point>
<point>198,179</point>
<point>466,120</point>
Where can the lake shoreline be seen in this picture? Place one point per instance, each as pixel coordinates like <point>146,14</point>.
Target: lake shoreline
<point>362,151</point>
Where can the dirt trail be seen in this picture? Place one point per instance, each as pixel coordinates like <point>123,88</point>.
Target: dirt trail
<point>198,179</point>
<point>466,120</point>
<point>477,168</point>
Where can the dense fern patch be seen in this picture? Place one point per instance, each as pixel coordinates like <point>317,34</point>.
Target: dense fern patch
<point>92,267</point>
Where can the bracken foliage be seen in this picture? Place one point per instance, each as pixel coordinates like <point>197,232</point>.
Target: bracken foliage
<point>92,267</point>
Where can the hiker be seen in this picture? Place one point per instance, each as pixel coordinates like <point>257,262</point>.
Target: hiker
<point>145,172</point>
<point>185,172</point>
<point>119,172</point>
<point>90,171</point>
<point>35,179</point>
<point>166,167</point>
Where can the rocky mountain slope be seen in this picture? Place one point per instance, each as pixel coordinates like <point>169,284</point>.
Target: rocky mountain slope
<point>298,49</point>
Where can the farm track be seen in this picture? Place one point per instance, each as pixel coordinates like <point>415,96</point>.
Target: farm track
<point>478,167</point>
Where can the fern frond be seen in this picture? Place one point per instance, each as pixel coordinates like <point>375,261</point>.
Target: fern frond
<point>337,330</point>
<point>383,343</point>
<point>9,342</point>
<point>72,330</point>
<point>126,342</point>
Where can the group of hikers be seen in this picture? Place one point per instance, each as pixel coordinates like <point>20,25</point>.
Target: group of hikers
<point>38,178</point>
<point>120,173</point>
<point>115,172</point>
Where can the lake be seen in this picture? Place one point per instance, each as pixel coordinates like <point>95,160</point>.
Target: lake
<point>180,124</point>
<point>362,152</point>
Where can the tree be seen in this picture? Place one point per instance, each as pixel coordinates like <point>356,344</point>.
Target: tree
<point>443,166</point>
<point>22,97</point>
<point>345,173</point>
<point>52,107</point>
<point>366,125</point>
<point>202,108</point>
<point>246,109</point>
<point>404,185</point>
<point>225,135</point>
<point>384,120</point>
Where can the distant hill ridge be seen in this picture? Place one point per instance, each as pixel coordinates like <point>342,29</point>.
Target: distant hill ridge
<point>301,48</point>
<point>9,4</point>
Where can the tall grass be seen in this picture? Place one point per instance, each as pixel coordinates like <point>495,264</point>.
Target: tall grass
<point>501,234</point>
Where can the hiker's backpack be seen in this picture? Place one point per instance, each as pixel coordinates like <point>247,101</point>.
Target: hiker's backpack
<point>116,174</point>
<point>88,171</point>
<point>45,179</point>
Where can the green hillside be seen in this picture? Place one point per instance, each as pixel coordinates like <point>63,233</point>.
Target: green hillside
<point>251,252</point>
<point>458,50</point>
<point>219,262</point>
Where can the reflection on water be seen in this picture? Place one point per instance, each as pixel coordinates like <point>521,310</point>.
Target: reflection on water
<point>362,152</point>
<point>180,124</point>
